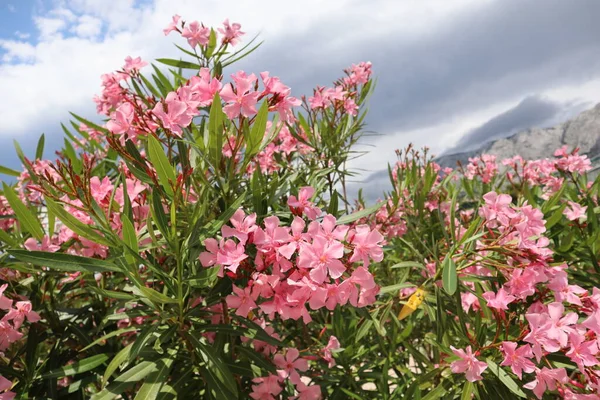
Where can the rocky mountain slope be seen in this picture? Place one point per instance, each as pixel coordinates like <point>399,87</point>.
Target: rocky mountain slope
<point>583,131</point>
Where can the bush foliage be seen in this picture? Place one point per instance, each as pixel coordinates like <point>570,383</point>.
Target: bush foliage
<point>200,243</point>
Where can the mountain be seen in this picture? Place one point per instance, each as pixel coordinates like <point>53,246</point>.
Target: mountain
<point>582,131</point>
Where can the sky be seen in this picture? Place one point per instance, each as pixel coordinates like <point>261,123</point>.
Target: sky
<point>450,73</point>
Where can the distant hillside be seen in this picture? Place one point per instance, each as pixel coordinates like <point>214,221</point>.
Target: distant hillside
<point>583,131</point>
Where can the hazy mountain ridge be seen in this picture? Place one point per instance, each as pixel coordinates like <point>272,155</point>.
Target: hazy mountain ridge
<point>583,131</point>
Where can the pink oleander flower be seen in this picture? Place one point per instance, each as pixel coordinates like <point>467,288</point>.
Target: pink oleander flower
<point>241,300</point>
<point>593,322</point>
<point>5,386</point>
<point>91,249</point>
<point>266,388</point>
<point>289,365</point>
<point>231,33</point>
<point>101,189</point>
<point>243,100</point>
<point>196,34</point>
<point>517,359</point>
<point>328,229</point>
<point>559,284</point>
<point>581,352</point>
<point>367,244</point>
<point>173,114</point>
<point>298,238</point>
<point>8,334</point>
<point>332,345</point>
<point>350,107</point>
<point>538,337</point>
<point>243,226</point>
<point>303,204</point>
<point>496,209</point>
<point>471,366</point>
<point>5,302</point>
<point>322,259</point>
<point>559,324</point>
<point>121,120</point>
<point>21,311</point>
<point>545,379</point>
<point>575,212</point>
<point>32,244</point>
<point>499,300</point>
<point>173,25</point>
<point>312,392</point>
<point>226,253</point>
<point>204,87</point>
<point>133,64</point>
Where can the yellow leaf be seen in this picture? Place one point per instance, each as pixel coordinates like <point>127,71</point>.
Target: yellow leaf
<point>412,304</point>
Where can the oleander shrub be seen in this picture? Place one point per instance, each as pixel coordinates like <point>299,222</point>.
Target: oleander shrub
<point>199,242</point>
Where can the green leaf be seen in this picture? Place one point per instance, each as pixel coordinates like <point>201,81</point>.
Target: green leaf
<point>346,219</point>
<point>74,224</point>
<point>111,294</point>
<point>164,169</point>
<point>215,368</point>
<point>6,238</point>
<point>212,43</point>
<point>206,278</point>
<point>87,364</point>
<point>63,262</point>
<point>109,335</point>
<point>141,341</point>
<point>26,218</point>
<point>130,238</point>
<point>90,124</point>
<point>556,216</point>
<point>505,378</point>
<point>117,360</point>
<point>19,151</point>
<point>350,394</point>
<point>158,215</point>
<point>39,151</point>
<point>155,381</point>
<point>408,264</point>
<point>215,129</point>
<point>396,287</point>
<point>151,294</point>
<point>179,63</point>
<point>127,380</point>
<point>8,171</point>
<point>257,132</point>
<point>436,393</point>
<point>467,390</point>
<point>449,278</point>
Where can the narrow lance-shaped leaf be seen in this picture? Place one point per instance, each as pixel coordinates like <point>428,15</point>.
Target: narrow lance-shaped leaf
<point>74,224</point>
<point>8,171</point>
<point>257,132</point>
<point>164,169</point>
<point>346,219</point>
<point>215,130</point>
<point>26,218</point>
<point>179,63</point>
<point>87,364</point>
<point>505,378</point>
<point>449,277</point>
<point>39,152</point>
<point>63,262</point>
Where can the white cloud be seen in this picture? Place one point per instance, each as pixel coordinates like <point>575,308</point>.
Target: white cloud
<point>87,27</point>
<point>63,73</point>
<point>22,35</point>
<point>11,8</point>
